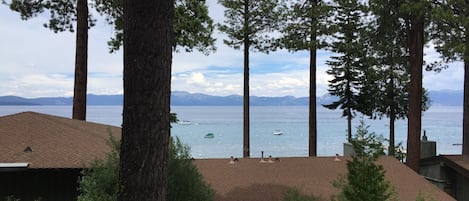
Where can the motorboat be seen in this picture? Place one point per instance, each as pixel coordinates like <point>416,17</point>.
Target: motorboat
<point>209,135</point>
<point>185,122</point>
<point>277,132</point>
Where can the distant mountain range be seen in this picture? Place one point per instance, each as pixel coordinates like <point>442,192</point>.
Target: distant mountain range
<point>181,98</point>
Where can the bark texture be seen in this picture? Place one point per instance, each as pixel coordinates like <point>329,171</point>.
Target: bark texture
<point>312,92</point>
<point>246,121</point>
<point>465,127</point>
<point>81,62</point>
<point>146,116</point>
<point>415,43</point>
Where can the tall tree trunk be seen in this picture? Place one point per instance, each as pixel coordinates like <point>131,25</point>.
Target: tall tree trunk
<point>81,62</point>
<point>312,90</point>
<point>392,120</point>
<point>392,109</point>
<point>415,43</point>
<point>146,116</point>
<point>465,126</point>
<point>349,125</point>
<point>246,135</point>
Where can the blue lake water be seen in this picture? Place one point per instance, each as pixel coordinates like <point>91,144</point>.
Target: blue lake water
<point>442,124</point>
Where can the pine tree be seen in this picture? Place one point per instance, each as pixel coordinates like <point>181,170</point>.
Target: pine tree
<point>389,78</point>
<point>63,14</point>
<point>193,27</point>
<point>348,65</point>
<point>148,28</point>
<point>415,15</point>
<point>305,24</point>
<point>449,30</point>
<point>365,180</point>
<point>248,24</point>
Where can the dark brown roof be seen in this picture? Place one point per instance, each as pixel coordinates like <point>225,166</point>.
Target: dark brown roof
<point>249,179</point>
<point>57,142</point>
<point>46,141</point>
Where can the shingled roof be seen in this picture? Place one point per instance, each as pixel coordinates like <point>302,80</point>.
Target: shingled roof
<point>46,141</point>
<point>249,179</point>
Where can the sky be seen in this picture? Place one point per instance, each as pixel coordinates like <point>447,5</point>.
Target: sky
<point>35,62</point>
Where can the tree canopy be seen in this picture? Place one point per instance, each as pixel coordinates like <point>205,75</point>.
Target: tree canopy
<point>192,29</point>
<point>348,63</point>
<point>249,24</point>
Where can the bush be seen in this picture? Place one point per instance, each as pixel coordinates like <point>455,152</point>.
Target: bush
<point>185,183</point>
<point>295,195</point>
<point>100,181</point>
<point>365,180</point>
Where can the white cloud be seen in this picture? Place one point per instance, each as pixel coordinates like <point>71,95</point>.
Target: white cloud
<point>198,79</point>
<point>37,85</point>
<point>36,62</point>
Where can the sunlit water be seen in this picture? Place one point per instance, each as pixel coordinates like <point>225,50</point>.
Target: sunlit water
<point>442,124</point>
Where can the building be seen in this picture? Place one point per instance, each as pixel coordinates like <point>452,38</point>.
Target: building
<point>41,156</point>
<point>448,172</point>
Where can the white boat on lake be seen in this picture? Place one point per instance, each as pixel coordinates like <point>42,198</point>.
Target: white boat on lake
<point>185,122</point>
<point>277,132</point>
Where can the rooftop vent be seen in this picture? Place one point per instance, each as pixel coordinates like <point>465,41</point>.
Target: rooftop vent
<point>28,150</point>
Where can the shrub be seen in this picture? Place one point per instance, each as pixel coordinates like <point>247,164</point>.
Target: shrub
<point>100,181</point>
<point>295,195</point>
<point>185,183</point>
<point>365,180</point>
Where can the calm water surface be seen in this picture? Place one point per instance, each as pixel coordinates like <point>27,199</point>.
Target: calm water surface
<point>442,124</point>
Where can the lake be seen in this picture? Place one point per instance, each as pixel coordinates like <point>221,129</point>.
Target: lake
<point>442,124</point>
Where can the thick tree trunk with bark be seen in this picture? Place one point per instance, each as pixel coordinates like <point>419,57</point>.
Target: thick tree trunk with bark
<point>81,62</point>
<point>312,90</point>
<point>246,135</point>
<point>415,43</point>
<point>312,102</point>
<point>146,115</point>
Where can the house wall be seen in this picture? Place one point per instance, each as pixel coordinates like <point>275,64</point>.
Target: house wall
<point>462,188</point>
<point>435,174</point>
<point>43,184</point>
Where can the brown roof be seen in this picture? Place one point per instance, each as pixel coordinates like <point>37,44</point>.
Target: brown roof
<point>249,179</point>
<point>58,142</point>
<point>54,142</point>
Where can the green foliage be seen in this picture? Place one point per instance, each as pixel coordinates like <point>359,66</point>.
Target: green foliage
<point>304,24</point>
<point>388,51</point>
<point>250,21</point>
<point>192,29</point>
<point>13,198</point>
<point>100,182</point>
<point>421,197</point>
<point>448,30</point>
<point>347,66</point>
<point>362,170</point>
<point>295,195</point>
<point>367,145</point>
<point>192,25</point>
<point>185,183</point>
<point>62,13</point>
<point>10,198</point>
